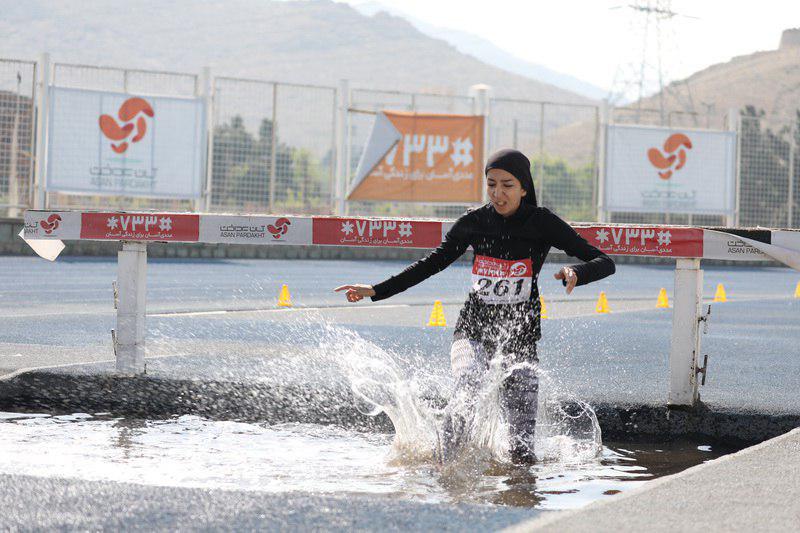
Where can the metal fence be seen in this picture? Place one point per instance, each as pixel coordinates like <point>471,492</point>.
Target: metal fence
<point>768,173</point>
<point>273,146</point>
<point>17,119</point>
<point>562,143</point>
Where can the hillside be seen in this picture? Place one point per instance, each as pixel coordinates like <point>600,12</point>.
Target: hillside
<point>316,42</point>
<point>767,80</point>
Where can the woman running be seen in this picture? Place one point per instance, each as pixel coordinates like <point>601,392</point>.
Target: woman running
<point>510,237</point>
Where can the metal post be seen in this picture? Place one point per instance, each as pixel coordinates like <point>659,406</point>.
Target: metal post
<point>514,143</point>
<point>540,192</point>
<point>734,123</point>
<point>480,95</point>
<point>42,112</point>
<point>685,344</point>
<point>602,133</point>
<point>334,165</point>
<point>342,139</point>
<point>205,90</point>
<point>790,199</point>
<point>129,338</point>
<point>13,179</point>
<point>273,163</point>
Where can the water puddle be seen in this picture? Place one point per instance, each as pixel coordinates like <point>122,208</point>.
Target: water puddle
<point>190,451</point>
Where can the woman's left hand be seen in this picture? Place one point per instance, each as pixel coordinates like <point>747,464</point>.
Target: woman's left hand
<point>569,276</point>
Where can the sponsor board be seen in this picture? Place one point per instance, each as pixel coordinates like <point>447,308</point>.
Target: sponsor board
<point>56,225</point>
<point>415,157</point>
<point>663,241</point>
<point>370,232</point>
<point>108,143</point>
<point>140,226</point>
<point>656,170</point>
<point>255,229</point>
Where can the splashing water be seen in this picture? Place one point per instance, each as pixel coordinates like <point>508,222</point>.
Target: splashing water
<point>567,431</point>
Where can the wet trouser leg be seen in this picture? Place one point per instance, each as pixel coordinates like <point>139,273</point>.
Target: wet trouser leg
<point>519,396</point>
<point>468,362</point>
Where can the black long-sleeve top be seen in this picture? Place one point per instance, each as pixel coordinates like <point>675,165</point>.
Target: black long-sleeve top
<point>528,233</point>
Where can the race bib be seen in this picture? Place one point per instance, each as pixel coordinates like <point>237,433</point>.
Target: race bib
<point>498,281</point>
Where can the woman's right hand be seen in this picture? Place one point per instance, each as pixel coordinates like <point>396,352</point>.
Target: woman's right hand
<point>355,293</point>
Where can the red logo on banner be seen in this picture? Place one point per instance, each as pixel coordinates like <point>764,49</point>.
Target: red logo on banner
<point>129,110</point>
<point>51,223</point>
<point>365,232</point>
<point>280,228</point>
<point>654,241</point>
<point>140,227</point>
<point>675,158</point>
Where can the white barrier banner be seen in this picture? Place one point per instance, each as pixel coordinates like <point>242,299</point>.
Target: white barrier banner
<point>655,170</point>
<point>117,144</point>
<point>238,229</point>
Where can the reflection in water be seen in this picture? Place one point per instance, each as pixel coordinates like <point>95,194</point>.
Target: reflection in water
<point>190,451</point>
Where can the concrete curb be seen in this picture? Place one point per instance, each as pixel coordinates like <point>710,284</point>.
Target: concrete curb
<point>552,522</point>
<point>333,403</point>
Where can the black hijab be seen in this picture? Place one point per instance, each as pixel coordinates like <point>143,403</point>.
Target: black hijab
<point>515,163</point>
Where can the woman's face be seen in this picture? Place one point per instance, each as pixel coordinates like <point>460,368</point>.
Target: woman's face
<point>505,191</point>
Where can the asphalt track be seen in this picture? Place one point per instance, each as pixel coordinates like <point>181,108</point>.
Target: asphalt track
<point>217,320</point>
<point>619,357</point>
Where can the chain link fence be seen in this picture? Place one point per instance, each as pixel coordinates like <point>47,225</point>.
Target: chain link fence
<point>768,173</point>
<point>561,141</point>
<point>17,127</point>
<point>273,147</point>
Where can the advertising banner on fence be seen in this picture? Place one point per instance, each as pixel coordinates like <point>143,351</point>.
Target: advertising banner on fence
<point>117,144</point>
<point>140,227</point>
<point>656,170</point>
<point>658,241</point>
<point>372,232</point>
<point>413,157</point>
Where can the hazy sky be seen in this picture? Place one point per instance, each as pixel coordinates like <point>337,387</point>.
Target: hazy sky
<point>587,39</point>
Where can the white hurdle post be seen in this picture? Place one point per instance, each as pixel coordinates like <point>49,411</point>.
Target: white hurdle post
<point>132,289</point>
<point>685,345</point>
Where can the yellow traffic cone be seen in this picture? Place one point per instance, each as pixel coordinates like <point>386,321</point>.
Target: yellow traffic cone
<point>663,299</point>
<point>602,304</point>
<point>285,299</point>
<point>720,295</point>
<point>797,290</point>
<point>437,315</point>
<point>543,312</point>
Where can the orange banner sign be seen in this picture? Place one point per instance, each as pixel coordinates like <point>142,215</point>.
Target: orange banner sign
<point>421,158</point>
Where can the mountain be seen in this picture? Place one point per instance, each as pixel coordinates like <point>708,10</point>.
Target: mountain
<point>767,80</point>
<point>318,42</point>
<point>489,53</point>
